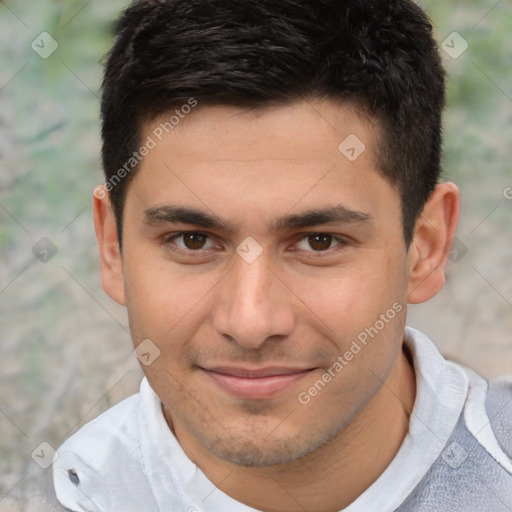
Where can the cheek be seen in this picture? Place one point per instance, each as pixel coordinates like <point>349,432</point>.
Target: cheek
<point>165,303</point>
<point>349,299</point>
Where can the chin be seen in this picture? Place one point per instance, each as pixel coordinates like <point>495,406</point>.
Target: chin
<point>253,448</point>
<point>251,455</point>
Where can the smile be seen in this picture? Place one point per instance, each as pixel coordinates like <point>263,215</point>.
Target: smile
<point>260,384</point>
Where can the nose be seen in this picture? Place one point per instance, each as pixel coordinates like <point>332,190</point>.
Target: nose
<point>254,304</point>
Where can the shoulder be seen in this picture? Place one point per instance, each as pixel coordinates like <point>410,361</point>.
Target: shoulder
<point>104,452</point>
<point>474,470</point>
<point>488,416</point>
<point>114,427</point>
<point>499,410</point>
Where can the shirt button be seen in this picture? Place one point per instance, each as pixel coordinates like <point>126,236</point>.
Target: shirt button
<point>73,476</point>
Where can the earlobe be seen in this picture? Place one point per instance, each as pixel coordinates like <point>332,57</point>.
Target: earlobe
<point>431,244</point>
<point>111,263</point>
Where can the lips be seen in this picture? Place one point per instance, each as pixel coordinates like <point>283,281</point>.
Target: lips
<point>255,384</point>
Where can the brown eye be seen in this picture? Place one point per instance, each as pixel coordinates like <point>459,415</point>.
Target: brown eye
<point>320,242</point>
<point>194,241</point>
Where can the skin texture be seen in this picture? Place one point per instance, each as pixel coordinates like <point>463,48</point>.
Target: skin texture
<point>205,307</point>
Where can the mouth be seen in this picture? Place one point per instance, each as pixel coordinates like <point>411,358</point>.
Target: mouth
<point>256,384</point>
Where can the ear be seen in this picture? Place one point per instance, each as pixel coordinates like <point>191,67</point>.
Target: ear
<point>111,263</point>
<point>432,242</point>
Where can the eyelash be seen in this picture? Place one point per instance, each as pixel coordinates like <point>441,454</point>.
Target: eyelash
<point>169,242</point>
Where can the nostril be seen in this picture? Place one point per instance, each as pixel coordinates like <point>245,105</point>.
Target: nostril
<point>73,476</point>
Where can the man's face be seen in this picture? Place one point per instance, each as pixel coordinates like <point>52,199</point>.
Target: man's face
<point>255,252</point>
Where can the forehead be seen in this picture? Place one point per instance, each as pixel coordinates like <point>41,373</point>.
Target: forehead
<point>299,130</point>
<point>313,153</point>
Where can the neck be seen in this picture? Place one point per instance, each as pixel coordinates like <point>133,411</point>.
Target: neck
<point>332,477</point>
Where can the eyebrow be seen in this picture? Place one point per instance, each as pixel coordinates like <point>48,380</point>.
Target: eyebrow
<point>173,214</point>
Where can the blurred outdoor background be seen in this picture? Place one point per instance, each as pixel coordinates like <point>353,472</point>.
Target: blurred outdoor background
<point>66,352</point>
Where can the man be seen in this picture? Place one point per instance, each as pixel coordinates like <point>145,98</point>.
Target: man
<point>272,204</point>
